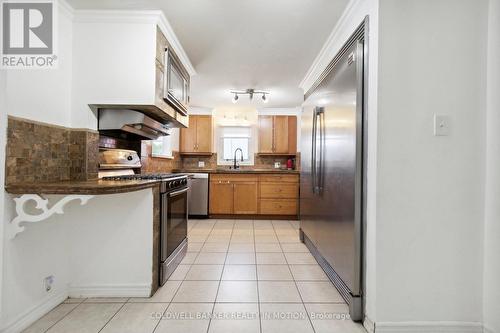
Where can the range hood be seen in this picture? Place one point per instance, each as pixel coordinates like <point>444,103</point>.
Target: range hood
<point>130,124</point>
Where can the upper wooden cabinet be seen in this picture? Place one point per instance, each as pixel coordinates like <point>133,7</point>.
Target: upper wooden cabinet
<point>197,138</point>
<point>278,135</point>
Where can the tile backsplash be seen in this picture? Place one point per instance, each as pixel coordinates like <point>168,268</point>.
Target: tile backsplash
<point>42,152</point>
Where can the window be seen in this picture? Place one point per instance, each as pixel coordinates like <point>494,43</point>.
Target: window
<point>230,146</point>
<point>162,147</point>
<point>231,138</point>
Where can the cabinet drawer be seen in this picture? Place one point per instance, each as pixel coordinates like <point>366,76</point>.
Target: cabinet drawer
<point>279,178</point>
<point>279,190</point>
<point>233,178</point>
<point>278,207</point>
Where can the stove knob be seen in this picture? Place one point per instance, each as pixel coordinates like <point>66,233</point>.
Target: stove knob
<point>170,184</point>
<point>176,183</point>
<point>184,181</point>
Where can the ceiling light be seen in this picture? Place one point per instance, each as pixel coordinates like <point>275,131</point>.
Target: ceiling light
<point>250,93</point>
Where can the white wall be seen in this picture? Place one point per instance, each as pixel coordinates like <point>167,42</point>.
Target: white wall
<point>491,294</point>
<point>42,95</point>
<point>91,250</point>
<point>45,95</point>
<point>430,189</point>
<point>43,249</point>
<point>110,249</point>
<point>114,63</point>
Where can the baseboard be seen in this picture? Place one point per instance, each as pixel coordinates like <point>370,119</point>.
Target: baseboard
<point>369,325</point>
<point>428,327</point>
<point>110,290</point>
<point>25,319</point>
<point>487,329</point>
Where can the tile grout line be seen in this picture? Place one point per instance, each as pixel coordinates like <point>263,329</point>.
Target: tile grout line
<point>179,286</point>
<point>257,277</point>
<point>121,307</point>
<point>62,316</point>
<point>220,280</point>
<point>296,286</point>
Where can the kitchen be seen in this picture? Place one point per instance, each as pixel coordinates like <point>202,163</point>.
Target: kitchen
<point>196,167</point>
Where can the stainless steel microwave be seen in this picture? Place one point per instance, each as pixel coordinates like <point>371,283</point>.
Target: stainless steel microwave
<point>176,91</point>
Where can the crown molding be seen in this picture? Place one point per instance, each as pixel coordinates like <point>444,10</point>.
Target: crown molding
<point>137,16</point>
<point>66,8</point>
<point>167,30</point>
<point>325,54</point>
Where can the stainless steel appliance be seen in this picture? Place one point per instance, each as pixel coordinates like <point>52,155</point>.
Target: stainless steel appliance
<point>198,195</point>
<point>332,170</point>
<point>176,81</point>
<point>130,124</point>
<point>118,164</point>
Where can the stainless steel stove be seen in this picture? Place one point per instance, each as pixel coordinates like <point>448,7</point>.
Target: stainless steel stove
<point>120,165</point>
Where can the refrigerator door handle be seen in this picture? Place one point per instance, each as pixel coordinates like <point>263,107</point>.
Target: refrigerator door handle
<point>313,153</point>
<point>316,167</point>
<point>322,141</point>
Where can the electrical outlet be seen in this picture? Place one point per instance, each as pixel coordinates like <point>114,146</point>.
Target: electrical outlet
<point>48,282</point>
<point>441,125</point>
<point>201,164</point>
<point>277,165</point>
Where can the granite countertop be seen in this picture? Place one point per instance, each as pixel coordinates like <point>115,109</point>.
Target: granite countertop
<point>271,171</point>
<point>94,187</point>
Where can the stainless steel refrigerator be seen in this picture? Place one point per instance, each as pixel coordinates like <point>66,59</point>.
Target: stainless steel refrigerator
<point>332,170</point>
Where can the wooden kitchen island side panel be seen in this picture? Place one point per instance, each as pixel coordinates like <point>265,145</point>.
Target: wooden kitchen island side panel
<point>256,195</point>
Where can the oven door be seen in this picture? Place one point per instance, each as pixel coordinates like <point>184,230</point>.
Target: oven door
<point>174,221</point>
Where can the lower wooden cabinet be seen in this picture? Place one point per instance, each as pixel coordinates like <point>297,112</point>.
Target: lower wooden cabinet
<point>251,194</point>
<point>234,194</point>
<point>245,198</point>
<point>221,198</point>
<point>278,206</point>
<point>279,194</point>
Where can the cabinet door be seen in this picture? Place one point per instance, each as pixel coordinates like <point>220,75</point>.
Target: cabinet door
<point>281,134</point>
<point>203,134</point>
<point>266,143</point>
<point>292,135</point>
<point>245,198</point>
<point>278,206</point>
<point>188,137</point>
<point>221,197</point>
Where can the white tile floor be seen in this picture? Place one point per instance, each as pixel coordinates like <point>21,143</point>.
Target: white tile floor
<point>238,276</point>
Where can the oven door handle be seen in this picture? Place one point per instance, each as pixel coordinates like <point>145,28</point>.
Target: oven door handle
<point>173,194</point>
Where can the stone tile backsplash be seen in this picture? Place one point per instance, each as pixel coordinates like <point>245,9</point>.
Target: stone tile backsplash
<point>42,152</point>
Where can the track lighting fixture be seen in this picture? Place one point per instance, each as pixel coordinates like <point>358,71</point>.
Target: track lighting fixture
<point>250,93</point>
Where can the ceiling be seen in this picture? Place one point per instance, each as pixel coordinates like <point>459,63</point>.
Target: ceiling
<point>261,44</point>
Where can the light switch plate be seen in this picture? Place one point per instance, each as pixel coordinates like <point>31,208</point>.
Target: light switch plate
<point>201,164</point>
<point>441,125</point>
<point>277,165</point>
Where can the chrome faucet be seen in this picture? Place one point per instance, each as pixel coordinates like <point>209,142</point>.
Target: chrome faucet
<point>236,166</point>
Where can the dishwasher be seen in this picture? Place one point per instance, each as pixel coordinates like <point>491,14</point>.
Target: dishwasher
<point>198,195</point>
